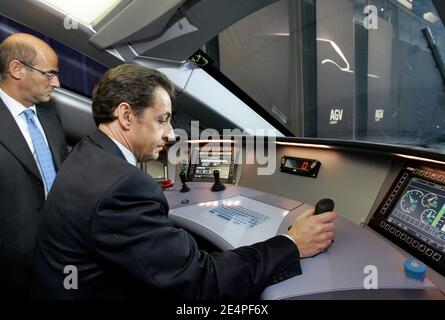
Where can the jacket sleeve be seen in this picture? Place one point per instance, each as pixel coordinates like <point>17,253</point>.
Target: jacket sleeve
<point>131,230</point>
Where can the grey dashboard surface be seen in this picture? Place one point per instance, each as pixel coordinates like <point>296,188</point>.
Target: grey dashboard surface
<point>339,273</point>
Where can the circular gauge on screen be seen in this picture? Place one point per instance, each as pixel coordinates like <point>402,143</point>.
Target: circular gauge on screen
<point>411,200</point>
<point>429,200</point>
<point>428,216</point>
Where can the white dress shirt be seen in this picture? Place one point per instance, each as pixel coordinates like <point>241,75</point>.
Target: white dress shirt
<point>17,111</point>
<point>129,156</point>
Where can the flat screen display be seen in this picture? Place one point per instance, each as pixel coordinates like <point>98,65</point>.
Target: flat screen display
<point>412,214</point>
<point>208,162</point>
<point>420,211</point>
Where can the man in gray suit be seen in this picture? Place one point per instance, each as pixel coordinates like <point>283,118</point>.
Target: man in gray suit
<point>32,147</point>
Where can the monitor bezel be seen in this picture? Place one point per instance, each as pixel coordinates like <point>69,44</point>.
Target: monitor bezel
<point>397,235</point>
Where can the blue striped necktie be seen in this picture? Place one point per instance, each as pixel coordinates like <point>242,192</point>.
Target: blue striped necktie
<point>42,150</point>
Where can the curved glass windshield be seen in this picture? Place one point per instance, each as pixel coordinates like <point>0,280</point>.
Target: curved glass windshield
<point>343,69</point>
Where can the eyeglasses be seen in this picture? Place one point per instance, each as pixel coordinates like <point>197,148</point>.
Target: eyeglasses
<point>49,74</point>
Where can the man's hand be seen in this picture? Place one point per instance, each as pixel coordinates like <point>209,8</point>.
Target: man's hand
<point>313,234</point>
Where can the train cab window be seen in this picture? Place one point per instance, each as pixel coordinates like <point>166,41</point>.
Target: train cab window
<point>348,69</point>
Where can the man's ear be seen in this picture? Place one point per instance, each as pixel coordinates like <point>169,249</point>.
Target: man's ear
<point>16,69</point>
<point>124,114</point>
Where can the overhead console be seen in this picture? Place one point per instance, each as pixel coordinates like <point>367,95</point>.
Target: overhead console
<point>412,214</point>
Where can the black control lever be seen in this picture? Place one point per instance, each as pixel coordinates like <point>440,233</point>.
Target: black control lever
<point>324,205</point>
<point>217,186</point>
<point>184,188</point>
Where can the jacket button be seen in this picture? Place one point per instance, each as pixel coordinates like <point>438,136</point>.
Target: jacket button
<point>40,209</point>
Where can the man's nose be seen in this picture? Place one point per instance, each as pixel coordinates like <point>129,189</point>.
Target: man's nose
<point>169,134</point>
<point>55,82</point>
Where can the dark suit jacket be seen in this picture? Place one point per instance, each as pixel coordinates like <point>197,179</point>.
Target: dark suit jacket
<point>110,220</point>
<point>22,196</point>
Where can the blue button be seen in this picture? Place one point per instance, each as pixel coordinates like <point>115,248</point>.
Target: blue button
<point>414,269</point>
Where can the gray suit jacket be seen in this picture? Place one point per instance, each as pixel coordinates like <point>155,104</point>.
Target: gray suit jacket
<point>22,193</point>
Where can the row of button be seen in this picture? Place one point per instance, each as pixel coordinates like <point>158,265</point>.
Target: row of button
<point>240,215</point>
<point>394,193</point>
<point>412,242</point>
<point>431,175</point>
<point>417,223</point>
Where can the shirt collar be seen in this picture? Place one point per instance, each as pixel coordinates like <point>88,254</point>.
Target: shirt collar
<point>129,156</point>
<point>15,107</point>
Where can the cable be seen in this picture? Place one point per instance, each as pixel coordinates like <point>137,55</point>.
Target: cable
<point>198,61</point>
<point>186,83</point>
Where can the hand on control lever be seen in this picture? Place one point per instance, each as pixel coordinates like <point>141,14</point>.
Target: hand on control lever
<point>324,205</point>
<point>313,232</point>
<point>217,186</point>
<point>184,188</point>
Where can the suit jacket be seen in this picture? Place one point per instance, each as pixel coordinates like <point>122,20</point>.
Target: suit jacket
<point>109,220</point>
<point>22,196</point>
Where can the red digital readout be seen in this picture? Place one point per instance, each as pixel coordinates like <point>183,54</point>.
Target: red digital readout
<point>305,165</point>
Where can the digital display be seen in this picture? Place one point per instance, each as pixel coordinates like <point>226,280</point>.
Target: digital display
<point>208,163</point>
<point>299,166</point>
<point>412,214</point>
<point>420,211</point>
<point>204,162</point>
<point>297,163</point>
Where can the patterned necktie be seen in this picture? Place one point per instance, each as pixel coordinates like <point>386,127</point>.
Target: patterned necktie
<point>42,150</point>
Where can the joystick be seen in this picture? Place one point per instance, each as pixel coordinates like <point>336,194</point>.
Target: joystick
<point>324,205</point>
<point>184,188</point>
<point>217,186</point>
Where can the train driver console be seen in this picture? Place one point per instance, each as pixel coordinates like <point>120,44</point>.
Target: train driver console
<point>412,216</point>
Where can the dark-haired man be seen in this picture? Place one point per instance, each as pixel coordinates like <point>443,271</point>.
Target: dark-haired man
<point>32,146</point>
<point>106,222</point>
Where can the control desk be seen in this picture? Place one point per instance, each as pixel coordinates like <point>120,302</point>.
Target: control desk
<point>240,216</point>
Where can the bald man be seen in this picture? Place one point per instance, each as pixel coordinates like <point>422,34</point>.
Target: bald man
<point>32,147</point>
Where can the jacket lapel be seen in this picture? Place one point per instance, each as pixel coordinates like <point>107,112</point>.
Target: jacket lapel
<point>12,139</point>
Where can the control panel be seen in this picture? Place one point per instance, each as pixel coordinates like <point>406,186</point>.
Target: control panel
<point>412,214</point>
<point>203,162</point>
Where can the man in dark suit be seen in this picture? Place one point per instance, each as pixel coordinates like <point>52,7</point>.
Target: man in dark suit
<point>105,231</point>
<point>32,146</point>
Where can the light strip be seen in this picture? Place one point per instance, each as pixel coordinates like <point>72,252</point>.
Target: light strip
<point>210,141</point>
<point>341,55</point>
<point>87,12</point>
<point>406,3</point>
<point>419,158</point>
<point>297,144</point>
<point>431,17</point>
